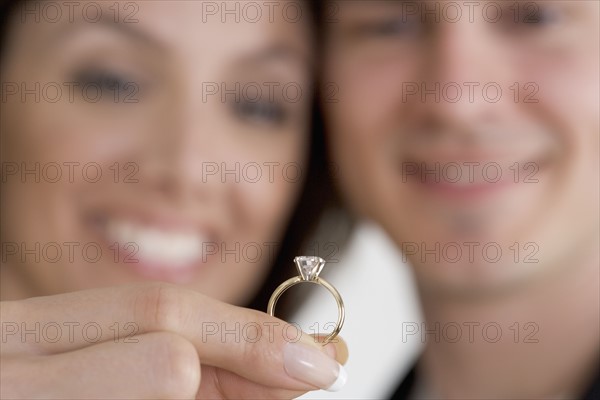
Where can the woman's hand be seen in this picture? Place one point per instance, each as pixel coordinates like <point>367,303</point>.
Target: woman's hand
<point>156,341</point>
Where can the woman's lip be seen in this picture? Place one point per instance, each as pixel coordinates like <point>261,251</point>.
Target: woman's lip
<point>133,258</point>
<point>147,209</point>
<point>153,247</point>
<point>154,271</point>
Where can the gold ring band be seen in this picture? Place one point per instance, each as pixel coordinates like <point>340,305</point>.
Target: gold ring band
<point>309,269</point>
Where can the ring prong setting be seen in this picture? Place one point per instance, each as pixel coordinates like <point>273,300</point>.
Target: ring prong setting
<point>309,267</point>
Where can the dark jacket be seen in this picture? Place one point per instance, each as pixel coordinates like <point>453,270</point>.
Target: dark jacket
<point>407,385</point>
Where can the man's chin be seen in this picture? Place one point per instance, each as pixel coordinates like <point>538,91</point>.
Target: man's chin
<point>477,280</point>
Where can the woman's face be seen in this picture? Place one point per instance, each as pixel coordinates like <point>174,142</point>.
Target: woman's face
<point>192,116</point>
<point>473,139</point>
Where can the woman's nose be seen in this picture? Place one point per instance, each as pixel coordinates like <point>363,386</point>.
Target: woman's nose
<point>183,152</point>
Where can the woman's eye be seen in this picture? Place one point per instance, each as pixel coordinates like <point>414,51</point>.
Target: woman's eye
<point>543,16</point>
<point>107,85</point>
<point>260,111</point>
<point>395,27</point>
<point>533,15</point>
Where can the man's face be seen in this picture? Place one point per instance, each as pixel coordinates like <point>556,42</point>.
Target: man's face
<point>470,131</point>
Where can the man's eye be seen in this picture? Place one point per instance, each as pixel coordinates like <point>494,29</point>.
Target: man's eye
<point>260,111</point>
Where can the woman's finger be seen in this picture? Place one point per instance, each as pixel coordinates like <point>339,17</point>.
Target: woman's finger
<point>218,383</point>
<point>249,343</point>
<point>158,365</point>
<point>337,348</point>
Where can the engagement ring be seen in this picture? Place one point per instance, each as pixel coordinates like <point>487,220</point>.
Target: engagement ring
<point>309,269</point>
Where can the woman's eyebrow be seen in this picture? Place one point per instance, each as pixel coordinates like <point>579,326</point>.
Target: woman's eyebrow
<point>127,29</point>
<point>277,53</point>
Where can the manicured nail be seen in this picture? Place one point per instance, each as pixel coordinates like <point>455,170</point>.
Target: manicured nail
<point>311,365</point>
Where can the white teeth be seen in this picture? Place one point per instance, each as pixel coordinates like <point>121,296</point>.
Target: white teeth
<point>173,249</point>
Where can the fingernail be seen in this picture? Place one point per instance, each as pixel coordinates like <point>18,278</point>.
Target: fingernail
<point>311,365</point>
<point>330,350</point>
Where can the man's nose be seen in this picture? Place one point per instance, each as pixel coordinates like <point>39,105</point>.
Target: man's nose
<point>466,74</point>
